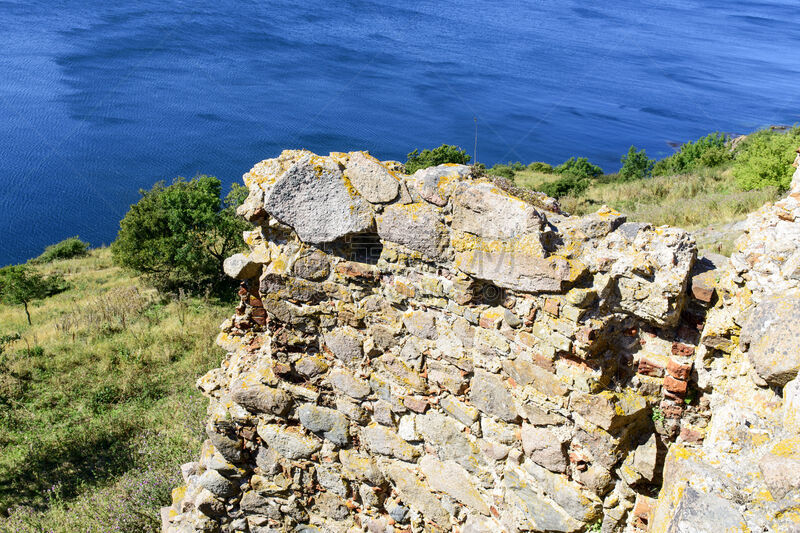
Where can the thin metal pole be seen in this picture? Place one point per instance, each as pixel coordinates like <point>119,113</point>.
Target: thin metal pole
<point>475,151</point>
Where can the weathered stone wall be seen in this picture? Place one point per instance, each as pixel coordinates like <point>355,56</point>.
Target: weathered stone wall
<point>746,474</point>
<point>443,352</point>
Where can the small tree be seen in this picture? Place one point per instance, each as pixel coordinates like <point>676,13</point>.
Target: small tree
<point>635,165</point>
<point>21,284</point>
<point>438,156</point>
<point>179,235</point>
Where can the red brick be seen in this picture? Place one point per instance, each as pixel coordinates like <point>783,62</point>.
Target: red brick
<point>542,361</point>
<point>678,348</point>
<point>691,436</point>
<point>353,270</point>
<point>641,511</point>
<point>702,292</point>
<point>260,320</point>
<point>671,409</point>
<point>586,335</point>
<point>679,370</point>
<point>551,306</point>
<point>675,386</point>
<point>649,367</point>
<point>256,302</point>
<point>643,506</point>
<point>418,405</point>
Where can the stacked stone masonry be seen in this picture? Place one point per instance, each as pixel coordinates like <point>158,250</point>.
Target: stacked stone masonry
<point>445,352</point>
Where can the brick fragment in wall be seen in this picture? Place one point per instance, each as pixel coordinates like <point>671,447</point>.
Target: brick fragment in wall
<point>461,371</point>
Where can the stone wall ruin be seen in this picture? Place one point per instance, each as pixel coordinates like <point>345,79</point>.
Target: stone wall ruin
<point>445,352</point>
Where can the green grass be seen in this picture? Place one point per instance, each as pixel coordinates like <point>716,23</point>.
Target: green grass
<point>97,400</point>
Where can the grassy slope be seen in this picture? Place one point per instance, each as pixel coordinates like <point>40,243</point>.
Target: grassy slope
<point>90,397</point>
<point>691,201</point>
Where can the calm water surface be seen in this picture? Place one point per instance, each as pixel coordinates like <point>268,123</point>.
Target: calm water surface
<point>99,99</point>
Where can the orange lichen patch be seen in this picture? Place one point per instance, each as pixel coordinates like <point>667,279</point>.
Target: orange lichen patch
<point>527,244</point>
<point>788,448</point>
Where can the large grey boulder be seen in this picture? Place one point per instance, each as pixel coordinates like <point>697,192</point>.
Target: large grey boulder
<point>487,211</point>
<point>541,513</point>
<point>371,179</point>
<point>520,266</point>
<point>769,335</point>
<point>699,512</point>
<point>259,398</point>
<point>313,198</point>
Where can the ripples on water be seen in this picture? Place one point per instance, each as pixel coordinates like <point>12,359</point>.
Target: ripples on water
<point>102,98</point>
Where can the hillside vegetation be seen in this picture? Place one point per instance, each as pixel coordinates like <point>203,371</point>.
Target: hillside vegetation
<point>706,184</point>
<point>98,403</point>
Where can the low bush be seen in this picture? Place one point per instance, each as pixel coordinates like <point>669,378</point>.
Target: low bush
<point>445,153</point>
<point>504,171</point>
<point>569,184</point>
<point>579,167</point>
<point>538,166</point>
<point>66,249</point>
<point>709,151</point>
<point>635,165</point>
<point>764,159</point>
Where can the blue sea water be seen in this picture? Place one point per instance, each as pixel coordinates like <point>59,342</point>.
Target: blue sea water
<point>99,99</point>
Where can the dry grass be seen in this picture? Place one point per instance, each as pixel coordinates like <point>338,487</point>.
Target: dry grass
<point>691,201</point>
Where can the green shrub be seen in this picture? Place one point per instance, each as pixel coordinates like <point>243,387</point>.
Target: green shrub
<point>499,169</point>
<point>764,159</point>
<point>179,235</point>
<point>709,151</point>
<point>66,249</point>
<point>635,165</point>
<point>438,156</point>
<point>580,167</point>
<point>538,166</point>
<point>569,184</point>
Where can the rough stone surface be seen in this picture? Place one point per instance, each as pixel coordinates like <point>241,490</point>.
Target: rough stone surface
<point>770,338</point>
<point>313,198</point>
<point>330,423</point>
<point>239,266</point>
<point>371,178</point>
<point>415,226</point>
<point>345,343</point>
<point>491,396</point>
<point>543,447</point>
<point>489,212</point>
<point>480,361</point>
